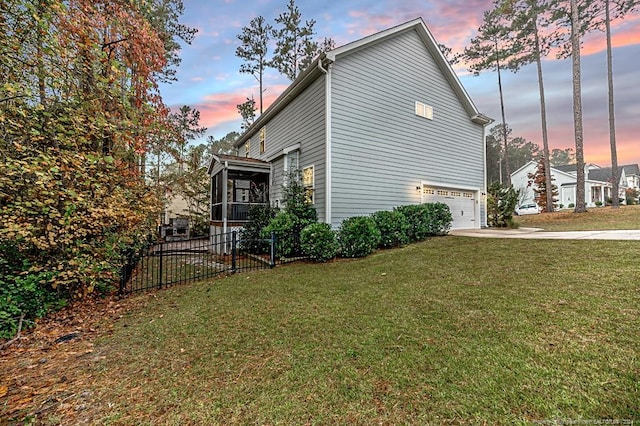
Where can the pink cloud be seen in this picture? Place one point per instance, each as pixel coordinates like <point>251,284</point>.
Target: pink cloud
<point>624,34</point>
<point>220,108</point>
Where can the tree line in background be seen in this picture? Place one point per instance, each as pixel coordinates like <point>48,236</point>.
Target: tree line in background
<point>519,152</point>
<point>515,33</point>
<point>80,116</point>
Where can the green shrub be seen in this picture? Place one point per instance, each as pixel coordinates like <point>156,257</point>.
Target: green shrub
<point>252,239</point>
<point>571,205</point>
<point>501,203</point>
<point>358,236</point>
<point>598,203</point>
<point>426,220</point>
<point>414,213</point>
<point>318,241</point>
<point>393,227</point>
<point>296,201</point>
<point>28,296</point>
<point>287,241</point>
<point>298,214</point>
<point>439,218</point>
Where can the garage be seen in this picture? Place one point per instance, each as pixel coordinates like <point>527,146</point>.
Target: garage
<point>461,202</point>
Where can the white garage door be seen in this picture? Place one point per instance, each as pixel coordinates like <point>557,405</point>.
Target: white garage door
<point>462,204</point>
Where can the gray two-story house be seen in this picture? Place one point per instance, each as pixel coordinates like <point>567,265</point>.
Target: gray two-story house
<point>377,123</point>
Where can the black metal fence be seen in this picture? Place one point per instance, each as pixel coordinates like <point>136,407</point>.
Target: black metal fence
<point>164,264</point>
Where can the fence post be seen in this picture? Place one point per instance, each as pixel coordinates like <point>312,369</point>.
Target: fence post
<point>233,251</point>
<point>160,269</point>
<point>272,250</point>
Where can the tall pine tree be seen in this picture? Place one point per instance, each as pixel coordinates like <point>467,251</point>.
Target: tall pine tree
<point>295,47</point>
<point>490,50</point>
<point>254,49</point>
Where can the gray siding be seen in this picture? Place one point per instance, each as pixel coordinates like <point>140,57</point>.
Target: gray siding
<point>303,122</point>
<point>381,150</point>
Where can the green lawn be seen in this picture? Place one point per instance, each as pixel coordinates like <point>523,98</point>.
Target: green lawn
<point>449,331</point>
<point>595,219</point>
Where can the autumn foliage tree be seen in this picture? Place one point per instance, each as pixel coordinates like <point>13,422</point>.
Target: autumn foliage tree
<point>79,106</point>
<point>538,182</point>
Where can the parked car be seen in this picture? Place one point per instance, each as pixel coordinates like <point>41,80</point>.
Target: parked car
<point>527,209</point>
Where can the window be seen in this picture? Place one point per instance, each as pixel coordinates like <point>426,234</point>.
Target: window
<point>443,193</point>
<point>456,194</point>
<point>424,110</point>
<point>467,195</point>
<point>308,182</point>
<point>290,165</point>
<point>247,148</point>
<point>428,191</point>
<point>263,134</point>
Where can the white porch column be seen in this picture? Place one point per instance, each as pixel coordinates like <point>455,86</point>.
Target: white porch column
<point>225,201</point>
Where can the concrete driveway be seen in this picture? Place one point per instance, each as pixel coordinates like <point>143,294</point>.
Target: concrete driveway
<point>537,233</point>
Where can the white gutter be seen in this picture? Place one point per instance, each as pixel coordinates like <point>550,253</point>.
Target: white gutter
<point>327,143</point>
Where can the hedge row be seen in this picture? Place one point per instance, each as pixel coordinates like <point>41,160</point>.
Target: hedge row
<point>361,235</point>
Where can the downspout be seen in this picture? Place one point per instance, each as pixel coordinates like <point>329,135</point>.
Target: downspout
<point>327,143</point>
<point>483,195</point>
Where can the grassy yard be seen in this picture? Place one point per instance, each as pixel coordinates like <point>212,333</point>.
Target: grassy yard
<point>449,331</point>
<point>595,219</point>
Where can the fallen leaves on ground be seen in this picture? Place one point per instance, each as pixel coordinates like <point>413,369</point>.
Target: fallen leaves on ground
<point>45,372</point>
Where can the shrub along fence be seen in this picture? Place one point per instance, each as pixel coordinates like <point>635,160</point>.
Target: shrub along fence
<point>163,264</point>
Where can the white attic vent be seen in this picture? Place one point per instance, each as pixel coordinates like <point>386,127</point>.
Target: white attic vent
<point>424,110</point>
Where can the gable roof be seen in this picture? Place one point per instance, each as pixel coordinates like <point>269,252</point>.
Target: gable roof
<point>567,168</point>
<point>603,175</point>
<point>631,169</point>
<point>318,67</point>
<point>237,161</point>
<point>432,46</point>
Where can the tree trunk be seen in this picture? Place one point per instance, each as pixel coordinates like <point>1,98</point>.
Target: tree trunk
<point>261,80</point>
<point>40,10</point>
<point>504,122</point>
<point>543,117</point>
<point>577,107</point>
<point>615,180</point>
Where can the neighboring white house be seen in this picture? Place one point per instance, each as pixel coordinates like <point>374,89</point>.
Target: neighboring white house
<point>378,123</point>
<point>598,188</point>
<point>632,172</point>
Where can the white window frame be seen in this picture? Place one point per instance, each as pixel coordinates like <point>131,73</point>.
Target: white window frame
<point>289,158</point>
<point>424,110</point>
<point>312,187</point>
<point>263,140</point>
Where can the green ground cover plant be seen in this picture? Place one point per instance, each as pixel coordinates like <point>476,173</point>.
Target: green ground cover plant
<point>451,330</point>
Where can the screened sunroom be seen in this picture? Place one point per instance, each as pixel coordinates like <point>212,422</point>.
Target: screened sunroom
<point>237,183</point>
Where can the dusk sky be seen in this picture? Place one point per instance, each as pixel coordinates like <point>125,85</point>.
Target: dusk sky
<point>208,78</point>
